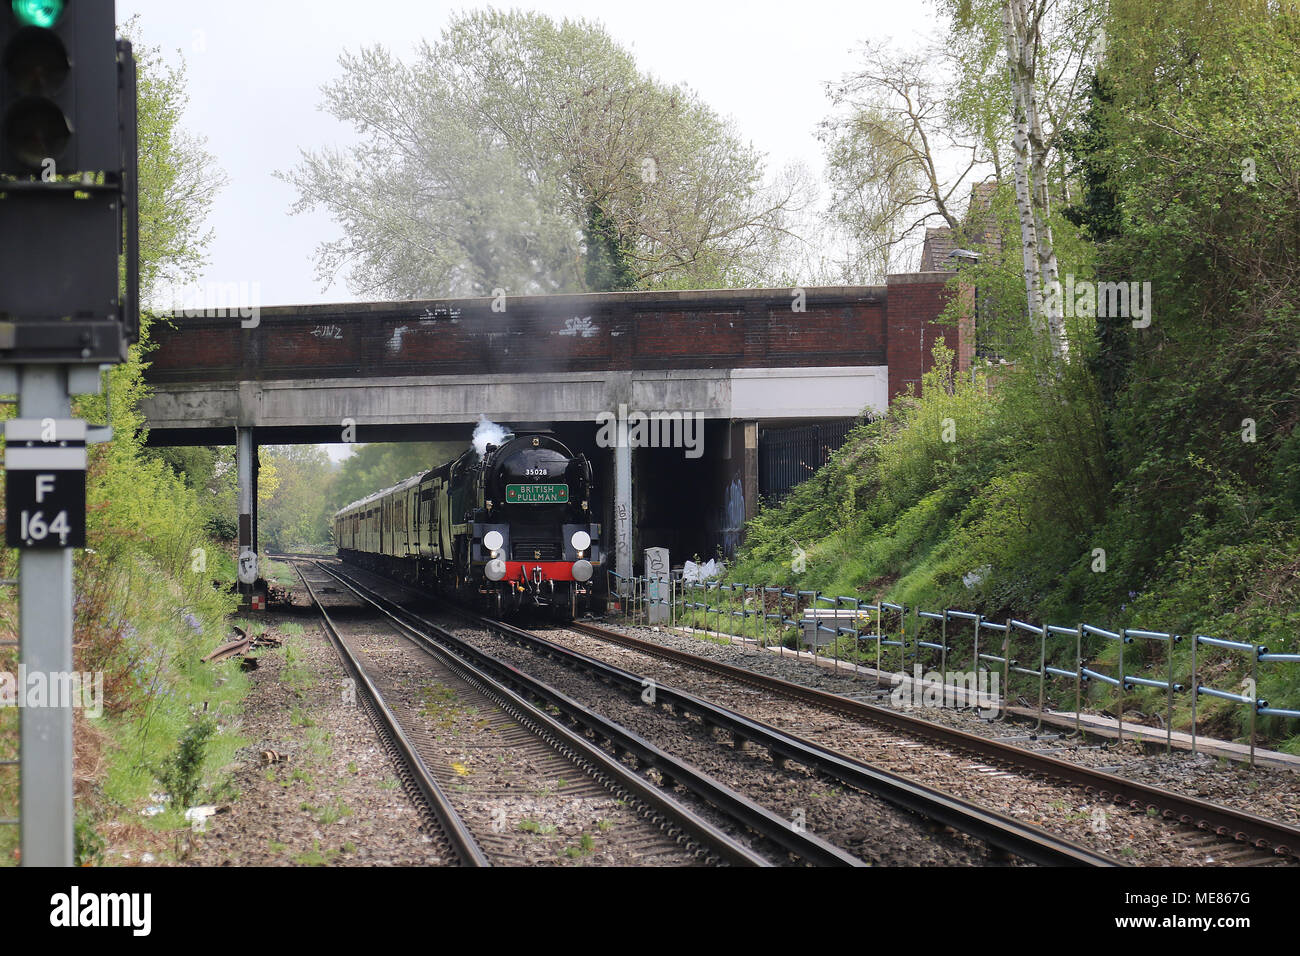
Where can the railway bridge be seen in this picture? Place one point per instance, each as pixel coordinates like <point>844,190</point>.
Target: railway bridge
<point>725,372</point>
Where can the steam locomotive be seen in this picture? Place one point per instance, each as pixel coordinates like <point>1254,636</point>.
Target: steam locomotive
<point>506,530</point>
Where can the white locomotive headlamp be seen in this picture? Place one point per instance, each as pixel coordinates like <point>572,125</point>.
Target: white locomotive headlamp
<point>582,569</point>
<point>581,541</point>
<point>493,540</point>
<point>495,569</point>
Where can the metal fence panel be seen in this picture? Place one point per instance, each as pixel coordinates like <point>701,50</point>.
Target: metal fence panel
<point>787,456</point>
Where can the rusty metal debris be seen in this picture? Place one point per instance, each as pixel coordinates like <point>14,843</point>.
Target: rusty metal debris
<point>241,646</point>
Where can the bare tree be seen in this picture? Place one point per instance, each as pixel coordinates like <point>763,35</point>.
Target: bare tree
<point>898,161</point>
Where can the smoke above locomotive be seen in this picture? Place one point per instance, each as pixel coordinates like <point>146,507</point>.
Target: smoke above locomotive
<point>506,526</point>
<point>488,433</point>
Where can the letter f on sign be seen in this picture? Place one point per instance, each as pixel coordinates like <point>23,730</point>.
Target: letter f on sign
<point>44,485</point>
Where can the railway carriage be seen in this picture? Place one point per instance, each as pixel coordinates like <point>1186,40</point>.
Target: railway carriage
<point>508,530</point>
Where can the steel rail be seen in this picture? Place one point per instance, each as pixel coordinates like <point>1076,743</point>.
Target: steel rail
<point>489,673</point>
<point>1021,839</point>
<point>1260,832</point>
<point>458,835</point>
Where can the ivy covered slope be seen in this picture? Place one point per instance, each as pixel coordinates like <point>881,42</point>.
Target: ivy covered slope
<point>1153,480</point>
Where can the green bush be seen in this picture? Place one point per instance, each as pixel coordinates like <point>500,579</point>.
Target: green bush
<point>182,773</point>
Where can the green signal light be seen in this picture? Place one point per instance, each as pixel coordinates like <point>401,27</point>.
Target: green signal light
<point>38,13</point>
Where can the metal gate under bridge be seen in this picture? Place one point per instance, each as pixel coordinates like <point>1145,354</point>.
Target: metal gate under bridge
<point>787,456</point>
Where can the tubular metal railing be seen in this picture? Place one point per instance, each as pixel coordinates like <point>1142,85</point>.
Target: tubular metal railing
<point>772,623</point>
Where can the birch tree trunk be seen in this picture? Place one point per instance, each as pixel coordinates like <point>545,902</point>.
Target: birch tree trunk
<point>1028,226</point>
<point>1020,21</point>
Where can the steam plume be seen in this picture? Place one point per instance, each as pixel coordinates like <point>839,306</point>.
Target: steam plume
<point>488,433</point>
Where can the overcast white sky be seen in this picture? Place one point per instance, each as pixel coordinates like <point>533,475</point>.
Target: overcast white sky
<point>255,72</point>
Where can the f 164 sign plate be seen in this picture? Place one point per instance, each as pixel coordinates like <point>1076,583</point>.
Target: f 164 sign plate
<point>45,483</point>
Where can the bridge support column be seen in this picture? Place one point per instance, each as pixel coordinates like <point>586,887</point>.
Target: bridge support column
<point>738,473</point>
<point>622,511</point>
<point>246,468</point>
<point>750,467</point>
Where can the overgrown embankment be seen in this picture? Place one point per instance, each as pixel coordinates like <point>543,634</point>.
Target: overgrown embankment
<point>1152,480</point>
<point>978,498</point>
<point>145,612</point>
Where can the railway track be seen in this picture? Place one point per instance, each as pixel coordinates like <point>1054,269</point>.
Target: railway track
<point>564,726</point>
<point>441,822</point>
<point>1269,838</point>
<point>1007,835</point>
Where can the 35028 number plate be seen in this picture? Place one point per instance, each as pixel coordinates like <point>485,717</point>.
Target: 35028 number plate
<point>537,494</point>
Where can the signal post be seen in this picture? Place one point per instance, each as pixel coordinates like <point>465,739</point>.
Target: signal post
<point>68,217</point>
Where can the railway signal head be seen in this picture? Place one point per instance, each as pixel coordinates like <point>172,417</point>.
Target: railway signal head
<point>38,13</point>
<point>68,196</point>
<point>58,88</point>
